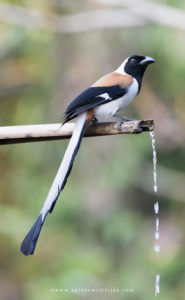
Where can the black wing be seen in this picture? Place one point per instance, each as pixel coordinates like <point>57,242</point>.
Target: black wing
<point>90,98</point>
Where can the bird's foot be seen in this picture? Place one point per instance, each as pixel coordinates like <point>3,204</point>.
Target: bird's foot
<point>123,118</point>
<point>94,120</point>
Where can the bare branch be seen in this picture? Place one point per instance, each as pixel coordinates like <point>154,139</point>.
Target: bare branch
<point>135,13</point>
<point>154,12</point>
<point>79,22</point>
<point>46,132</point>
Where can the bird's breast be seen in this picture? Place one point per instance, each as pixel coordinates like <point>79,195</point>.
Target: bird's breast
<point>130,95</point>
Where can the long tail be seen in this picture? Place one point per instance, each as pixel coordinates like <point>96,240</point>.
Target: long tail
<point>29,243</point>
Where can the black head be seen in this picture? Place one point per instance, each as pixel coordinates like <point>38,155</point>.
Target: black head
<point>136,65</point>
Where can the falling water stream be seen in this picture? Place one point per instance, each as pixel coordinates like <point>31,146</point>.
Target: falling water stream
<point>152,134</point>
<point>156,210</point>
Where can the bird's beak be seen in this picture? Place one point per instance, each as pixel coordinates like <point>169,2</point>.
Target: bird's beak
<point>148,60</point>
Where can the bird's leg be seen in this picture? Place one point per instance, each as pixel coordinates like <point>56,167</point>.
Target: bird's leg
<point>123,118</point>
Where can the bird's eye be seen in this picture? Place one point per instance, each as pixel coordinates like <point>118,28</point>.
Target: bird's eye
<point>133,61</point>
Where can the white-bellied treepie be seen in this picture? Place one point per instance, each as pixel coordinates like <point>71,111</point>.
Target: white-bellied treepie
<point>104,98</point>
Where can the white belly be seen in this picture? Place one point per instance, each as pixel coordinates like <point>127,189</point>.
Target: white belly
<point>110,108</point>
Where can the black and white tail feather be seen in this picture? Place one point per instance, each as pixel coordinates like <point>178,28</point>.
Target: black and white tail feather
<point>29,243</point>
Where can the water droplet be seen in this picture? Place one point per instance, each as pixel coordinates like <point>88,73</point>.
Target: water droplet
<point>157,224</point>
<point>157,248</point>
<point>156,207</point>
<point>157,235</point>
<point>157,287</point>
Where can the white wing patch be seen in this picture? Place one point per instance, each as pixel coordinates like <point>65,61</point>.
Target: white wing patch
<point>105,96</point>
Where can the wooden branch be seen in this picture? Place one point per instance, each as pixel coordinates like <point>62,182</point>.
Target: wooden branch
<point>47,132</point>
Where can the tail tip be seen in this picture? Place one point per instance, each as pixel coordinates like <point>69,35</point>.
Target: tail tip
<point>27,249</point>
<point>29,243</point>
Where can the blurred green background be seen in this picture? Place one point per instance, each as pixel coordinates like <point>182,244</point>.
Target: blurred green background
<point>101,232</point>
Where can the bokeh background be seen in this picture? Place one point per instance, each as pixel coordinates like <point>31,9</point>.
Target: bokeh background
<point>101,233</point>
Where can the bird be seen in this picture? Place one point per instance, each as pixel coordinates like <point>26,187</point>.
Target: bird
<point>102,99</point>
